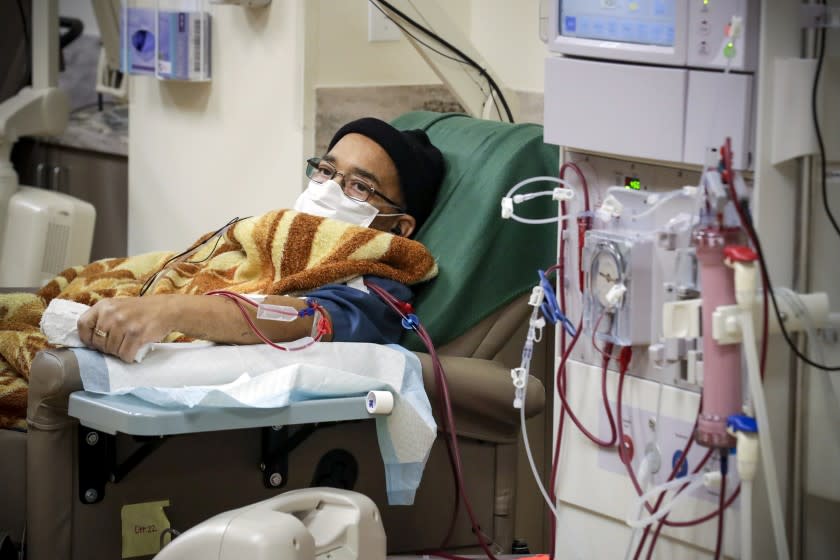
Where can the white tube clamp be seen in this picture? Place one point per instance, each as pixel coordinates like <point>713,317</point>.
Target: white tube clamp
<point>507,207</point>
<point>560,193</point>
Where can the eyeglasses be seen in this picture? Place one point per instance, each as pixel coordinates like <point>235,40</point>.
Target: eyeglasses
<point>355,187</point>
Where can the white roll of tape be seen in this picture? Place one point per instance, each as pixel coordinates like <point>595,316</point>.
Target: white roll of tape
<point>380,402</point>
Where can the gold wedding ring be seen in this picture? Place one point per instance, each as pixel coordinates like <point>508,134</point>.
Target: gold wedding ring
<point>100,332</point>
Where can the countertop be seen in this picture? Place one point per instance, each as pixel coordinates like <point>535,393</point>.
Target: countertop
<point>103,131</point>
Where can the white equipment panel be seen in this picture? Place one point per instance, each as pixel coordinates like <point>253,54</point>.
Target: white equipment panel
<point>615,108</point>
<point>589,480</point>
<point>659,113</point>
<point>671,275</point>
<point>693,33</point>
<point>718,105</point>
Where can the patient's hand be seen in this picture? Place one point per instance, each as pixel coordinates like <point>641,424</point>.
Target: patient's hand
<point>121,326</point>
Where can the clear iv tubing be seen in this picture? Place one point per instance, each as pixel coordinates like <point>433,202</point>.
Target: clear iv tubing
<point>536,473</point>
<point>643,475</point>
<point>694,481</point>
<point>624,364</point>
<point>540,221</point>
<point>525,365</point>
<point>644,469</point>
<point>681,193</point>
<point>765,442</point>
<point>529,196</point>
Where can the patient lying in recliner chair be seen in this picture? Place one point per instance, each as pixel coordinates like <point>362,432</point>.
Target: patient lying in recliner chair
<point>475,311</point>
<point>373,176</point>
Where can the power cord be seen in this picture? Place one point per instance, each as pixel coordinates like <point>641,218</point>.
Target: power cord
<point>821,38</point>
<point>747,225</point>
<point>464,58</point>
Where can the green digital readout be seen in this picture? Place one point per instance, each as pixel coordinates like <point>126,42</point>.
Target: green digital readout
<point>632,183</point>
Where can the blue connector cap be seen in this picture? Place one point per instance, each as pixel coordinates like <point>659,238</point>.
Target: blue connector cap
<point>410,322</point>
<point>741,423</point>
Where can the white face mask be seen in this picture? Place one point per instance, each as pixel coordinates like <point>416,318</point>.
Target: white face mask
<point>329,201</point>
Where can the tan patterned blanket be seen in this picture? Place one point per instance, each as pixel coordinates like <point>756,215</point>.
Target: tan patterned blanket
<point>280,252</point>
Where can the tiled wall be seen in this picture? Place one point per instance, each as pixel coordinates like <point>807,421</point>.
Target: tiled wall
<point>337,106</point>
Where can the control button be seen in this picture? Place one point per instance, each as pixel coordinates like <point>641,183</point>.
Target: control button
<point>703,48</point>
<point>683,468</point>
<point>704,27</point>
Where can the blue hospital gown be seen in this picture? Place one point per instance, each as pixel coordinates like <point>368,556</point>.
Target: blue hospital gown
<point>359,316</point>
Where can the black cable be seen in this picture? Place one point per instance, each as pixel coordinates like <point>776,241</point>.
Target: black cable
<point>779,317</point>
<point>194,247</point>
<point>465,58</point>
<point>25,24</point>
<point>74,27</point>
<point>746,223</point>
<point>436,51</point>
<point>814,89</point>
<point>493,85</point>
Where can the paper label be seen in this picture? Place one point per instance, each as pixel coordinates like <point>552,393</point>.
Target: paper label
<point>142,525</point>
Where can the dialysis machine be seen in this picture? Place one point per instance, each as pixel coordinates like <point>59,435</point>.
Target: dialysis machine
<point>641,95</point>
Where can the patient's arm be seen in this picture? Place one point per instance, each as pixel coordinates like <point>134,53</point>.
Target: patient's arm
<point>132,322</point>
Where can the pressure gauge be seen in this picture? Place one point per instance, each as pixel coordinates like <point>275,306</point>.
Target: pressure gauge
<point>618,267</point>
<point>607,275</point>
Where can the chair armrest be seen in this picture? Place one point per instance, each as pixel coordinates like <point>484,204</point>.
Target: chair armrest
<point>481,393</point>
<point>53,376</point>
<point>480,390</point>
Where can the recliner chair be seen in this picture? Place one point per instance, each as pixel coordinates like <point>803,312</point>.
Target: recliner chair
<point>476,309</point>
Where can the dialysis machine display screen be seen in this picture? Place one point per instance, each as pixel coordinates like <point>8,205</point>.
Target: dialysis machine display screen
<point>646,22</point>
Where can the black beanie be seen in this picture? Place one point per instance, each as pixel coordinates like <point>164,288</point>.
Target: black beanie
<point>419,164</point>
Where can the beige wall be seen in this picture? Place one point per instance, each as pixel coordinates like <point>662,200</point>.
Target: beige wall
<point>200,154</point>
<point>346,58</point>
<point>505,32</point>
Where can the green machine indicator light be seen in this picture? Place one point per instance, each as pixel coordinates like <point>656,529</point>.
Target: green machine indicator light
<point>632,183</point>
<point>729,50</point>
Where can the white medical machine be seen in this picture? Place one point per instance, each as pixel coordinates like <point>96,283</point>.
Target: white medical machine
<point>307,524</point>
<point>653,79</point>
<point>41,232</point>
<point>640,95</point>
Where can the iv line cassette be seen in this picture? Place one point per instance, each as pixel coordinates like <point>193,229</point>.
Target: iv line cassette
<point>618,286</point>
